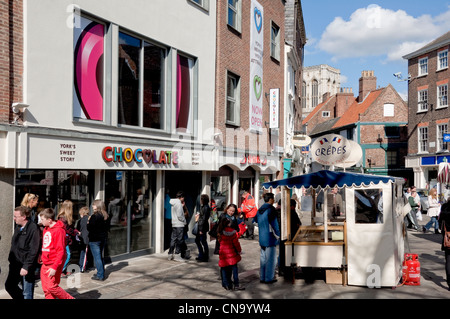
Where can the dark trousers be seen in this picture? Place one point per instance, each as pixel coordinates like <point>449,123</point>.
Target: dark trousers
<point>202,245</point>
<point>177,243</point>
<point>447,266</point>
<point>250,227</point>
<point>14,279</point>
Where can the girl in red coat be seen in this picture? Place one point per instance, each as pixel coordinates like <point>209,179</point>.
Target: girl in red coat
<point>229,254</point>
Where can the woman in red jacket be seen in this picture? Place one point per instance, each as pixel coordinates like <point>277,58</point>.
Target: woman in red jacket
<point>229,254</point>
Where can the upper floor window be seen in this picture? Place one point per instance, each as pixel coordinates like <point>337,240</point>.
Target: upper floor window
<point>304,95</point>
<point>442,95</point>
<point>275,42</point>
<point>185,94</point>
<point>315,93</point>
<point>234,14</point>
<point>423,139</point>
<point>422,101</point>
<point>202,3</point>
<point>423,66</point>
<point>233,99</point>
<point>442,60</point>
<point>325,114</point>
<point>141,71</point>
<point>441,130</point>
<point>89,47</point>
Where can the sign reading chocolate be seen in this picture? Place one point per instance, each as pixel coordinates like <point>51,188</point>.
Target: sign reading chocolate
<point>118,155</point>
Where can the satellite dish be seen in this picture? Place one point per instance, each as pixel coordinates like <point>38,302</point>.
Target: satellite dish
<point>301,140</point>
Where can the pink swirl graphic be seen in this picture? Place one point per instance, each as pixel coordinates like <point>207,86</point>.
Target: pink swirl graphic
<point>89,71</point>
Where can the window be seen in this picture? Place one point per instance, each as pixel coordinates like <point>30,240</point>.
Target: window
<point>141,72</point>
<point>392,158</point>
<point>392,131</point>
<point>423,66</point>
<point>275,42</point>
<point>315,93</point>
<point>369,206</point>
<point>304,95</point>
<point>389,110</point>
<point>202,3</point>
<point>234,14</point>
<point>441,130</point>
<point>422,101</point>
<point>185,94</point>
<point>423,139</point>
<point>442,96</point>
<point>442,60</point>
<point>233,100</point>
<point>325,114</point>
<point>88,70</point>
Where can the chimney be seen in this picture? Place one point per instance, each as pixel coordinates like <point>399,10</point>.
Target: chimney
<point>367,83</point>
<point>344,99</point>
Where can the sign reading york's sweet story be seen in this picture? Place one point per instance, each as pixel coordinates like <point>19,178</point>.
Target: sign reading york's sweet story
<point>256,66</point>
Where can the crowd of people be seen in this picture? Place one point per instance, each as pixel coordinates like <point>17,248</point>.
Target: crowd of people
<point>42,243</point>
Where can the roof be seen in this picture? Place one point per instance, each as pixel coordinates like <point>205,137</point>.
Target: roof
<point>351,116</point>
<point>316,110</point>
<point>434,45</point>
<point>325,178</point>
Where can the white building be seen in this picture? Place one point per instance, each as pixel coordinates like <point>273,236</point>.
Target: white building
<point>317,81</point>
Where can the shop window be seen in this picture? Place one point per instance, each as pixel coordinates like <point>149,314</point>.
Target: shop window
<point>141,73</point>
<point>185,95</point>
<point>89,70</point>
<point>369,206</point>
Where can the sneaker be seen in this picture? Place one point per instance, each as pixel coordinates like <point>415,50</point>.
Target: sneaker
<point>177,257</point>
<point>170,257</point>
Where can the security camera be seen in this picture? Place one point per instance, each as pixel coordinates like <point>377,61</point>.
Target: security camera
<point>398,74</point>
<point>19,107</point>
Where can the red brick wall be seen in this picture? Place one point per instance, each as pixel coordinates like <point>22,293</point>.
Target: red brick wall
<point>233,55</point>
<point>11,56</point>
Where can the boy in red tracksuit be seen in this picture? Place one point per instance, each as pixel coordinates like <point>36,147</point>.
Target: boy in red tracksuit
<point>53,255</point>
<point>249,209</point>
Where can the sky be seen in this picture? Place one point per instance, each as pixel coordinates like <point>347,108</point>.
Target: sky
<point>358,35</point>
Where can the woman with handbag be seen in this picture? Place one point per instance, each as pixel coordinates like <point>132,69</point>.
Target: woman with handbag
<point>202,224</point>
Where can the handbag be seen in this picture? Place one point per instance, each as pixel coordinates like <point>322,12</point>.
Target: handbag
<point>446,237</point>
<point>195,229</point>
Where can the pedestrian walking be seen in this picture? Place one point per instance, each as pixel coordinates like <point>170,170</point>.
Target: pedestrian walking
<point>444,222</point>
<point>98,227</point>
<point>249,209</point>
<point>53,255</point>
<point>269,233</point>
<point>23,255</point>
<point>202,220</point>
<point>31,201</point>
<point>177,243</point>
<point>434,209</point>
<point>65,215</point>
<point>414,202</point>
<point>229,254</point>
<point>84,237</point>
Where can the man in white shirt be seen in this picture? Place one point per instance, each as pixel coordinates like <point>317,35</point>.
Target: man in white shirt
<point>178,223</point>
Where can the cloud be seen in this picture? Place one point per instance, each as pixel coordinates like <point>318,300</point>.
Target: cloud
<point>375,31</point>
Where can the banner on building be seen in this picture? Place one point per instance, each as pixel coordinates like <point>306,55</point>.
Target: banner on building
<point>274,108</point>
<point>256,67</point>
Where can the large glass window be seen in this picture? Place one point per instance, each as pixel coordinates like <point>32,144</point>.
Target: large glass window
<point>141,74</point>
<point>185,94</point>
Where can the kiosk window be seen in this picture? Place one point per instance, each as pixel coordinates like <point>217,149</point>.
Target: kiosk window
<point>369,206</point>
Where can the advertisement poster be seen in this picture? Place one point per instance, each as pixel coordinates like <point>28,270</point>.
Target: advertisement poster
<point>256,67</point>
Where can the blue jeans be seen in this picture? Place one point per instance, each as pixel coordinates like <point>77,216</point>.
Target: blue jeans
<point>226,276</point>
<point>97,252</point>
<point>13,280</point>
<point>66,263</point>
<point>268,262</point>
<point>202,245</point>
<point>433,221</point>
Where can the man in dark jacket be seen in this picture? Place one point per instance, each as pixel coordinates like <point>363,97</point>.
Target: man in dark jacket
<point>25,245</point>
<point>269,233</point>
<point>444,223</point>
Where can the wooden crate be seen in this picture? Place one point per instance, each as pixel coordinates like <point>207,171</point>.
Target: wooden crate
<point>333,276</point>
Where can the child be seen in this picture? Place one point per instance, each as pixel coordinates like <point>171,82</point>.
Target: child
<point>84,234</point>
<point>53,255</point>
<point>229,254</point>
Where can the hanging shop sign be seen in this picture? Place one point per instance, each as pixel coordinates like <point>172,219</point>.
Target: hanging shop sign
<point>331,149</point>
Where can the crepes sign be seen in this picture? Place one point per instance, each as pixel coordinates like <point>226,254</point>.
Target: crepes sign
<point>331,149</point>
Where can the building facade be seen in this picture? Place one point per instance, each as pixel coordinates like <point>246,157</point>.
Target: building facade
<point>114,101</point>
<point>429,114</point>
<point>376,119</point>
<point>319,82</point>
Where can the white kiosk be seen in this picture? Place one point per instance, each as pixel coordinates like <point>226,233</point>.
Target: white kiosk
<point>359,232</point>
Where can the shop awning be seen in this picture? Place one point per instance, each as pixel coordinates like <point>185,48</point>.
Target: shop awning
<point>324,179</point>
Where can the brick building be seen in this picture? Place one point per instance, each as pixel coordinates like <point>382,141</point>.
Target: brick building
<point>376,120</point>
<point>429,114</point>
